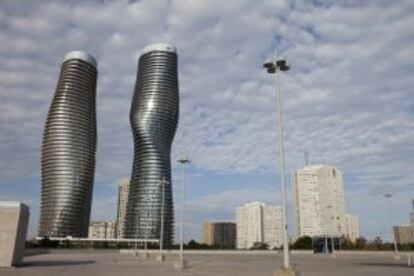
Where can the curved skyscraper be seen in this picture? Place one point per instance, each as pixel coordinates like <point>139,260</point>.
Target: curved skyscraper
<point>154,117</point>
<point>68,150</point>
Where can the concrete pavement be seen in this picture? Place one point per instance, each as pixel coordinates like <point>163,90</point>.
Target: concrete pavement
<point>91,263</point>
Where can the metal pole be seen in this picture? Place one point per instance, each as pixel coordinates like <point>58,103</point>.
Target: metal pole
<point>146,233</point>
<point>162,219</point>
<point>182,211</point>
<point>286,261</point>
<point>136,233</point>
<point>388,196</point>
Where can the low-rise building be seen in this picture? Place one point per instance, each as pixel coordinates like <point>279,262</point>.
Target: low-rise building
<point>404,234</point>
<point>102,230</point>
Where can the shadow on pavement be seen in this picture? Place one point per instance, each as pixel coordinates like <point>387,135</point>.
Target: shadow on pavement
<point>199,263</point>
<point>56,263</point>
<point>386,264</point>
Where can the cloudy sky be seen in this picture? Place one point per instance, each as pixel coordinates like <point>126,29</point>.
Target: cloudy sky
<point>348,99</point>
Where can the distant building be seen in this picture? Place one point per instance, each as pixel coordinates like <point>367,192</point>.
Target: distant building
<point>123,191</point>
<point>404,234</point>
<point>208,233</point>
<point>220,234</point>
<point>352,227</point>
<point>319,202</point>
<point>102,230</point>
<point>412,219</point>
<point>257,222</point>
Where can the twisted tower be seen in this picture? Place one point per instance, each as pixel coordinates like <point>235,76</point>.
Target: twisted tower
<point>68,150</point>
<point>154,117</point>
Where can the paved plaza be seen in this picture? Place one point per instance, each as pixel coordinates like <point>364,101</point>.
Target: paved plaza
<point>90,263</point>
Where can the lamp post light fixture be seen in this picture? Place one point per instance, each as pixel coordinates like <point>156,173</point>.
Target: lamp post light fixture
<point>388,197</point>
<point>182,263</point>
<point>275,66</point>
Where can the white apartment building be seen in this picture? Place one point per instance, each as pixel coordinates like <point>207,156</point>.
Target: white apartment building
<point>352,227</point>
<point>123,192</point>
<point>319,201</point>
<point>257,222</point>
<point>101,230</point>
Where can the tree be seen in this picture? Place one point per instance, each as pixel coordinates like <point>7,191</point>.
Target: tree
<point>347,244</point>
<point>46,242</point>
<point>192,244</point>
<point>304,242</point>
<point>360,243</point>
<point>259,246</point>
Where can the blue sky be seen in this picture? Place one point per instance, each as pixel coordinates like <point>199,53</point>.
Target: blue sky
<point>348,99</point>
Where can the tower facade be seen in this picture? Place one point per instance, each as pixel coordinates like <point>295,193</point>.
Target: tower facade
<point>257,222</point>
<point>154,118</point>
<point>123,191</point>
<point>352,227</point>
<point>220,234</point>
<point>68,150</point>
<point>319,201</point>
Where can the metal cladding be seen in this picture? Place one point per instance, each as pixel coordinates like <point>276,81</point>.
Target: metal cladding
<point>154,118</point>
<point>68,150</point>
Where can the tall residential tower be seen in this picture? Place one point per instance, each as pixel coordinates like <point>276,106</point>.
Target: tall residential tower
<point>259,223</point>
<point>68,150</point>
<point>220,234</point>
<point>123,192</point>
<point>352,227</point>
<point>154,118</point>
<point>319,202</point>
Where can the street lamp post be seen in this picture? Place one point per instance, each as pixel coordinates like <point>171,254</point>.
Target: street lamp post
<point>136,234</point>
<point>161,257</point>
<point>388,197</point>
<point>182,263</point>
<point>275,66</point>
<point>145,255</point>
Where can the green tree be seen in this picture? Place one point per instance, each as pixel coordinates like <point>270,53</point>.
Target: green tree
<point>192,244</point>
<point>46,242</point>
<point>304,242</point>
<point>347,244</point>
<point>259,246</point>
<point>360,243</point>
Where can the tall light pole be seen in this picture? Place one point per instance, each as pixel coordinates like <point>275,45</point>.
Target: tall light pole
<point>145,255</point>
<point>388,197</point>
<point>146,237</point>
<point>161,256</point>
<point>181,264</point>
<point>136,233</point>
<point>275,66</point>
